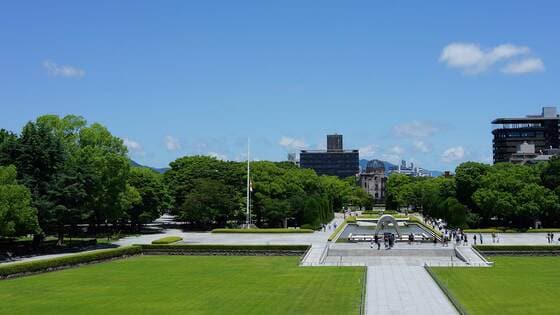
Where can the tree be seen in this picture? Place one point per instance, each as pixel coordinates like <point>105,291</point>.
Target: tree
<point>8,147</point>
<point>210,202</point>
<point>550,175</point>
<point>40,157</point>
<point>396,196</point>
<point>17,216</point>
<point>153,194</point>
<point>467,178</point>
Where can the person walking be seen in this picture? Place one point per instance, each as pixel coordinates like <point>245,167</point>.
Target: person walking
<point>548,237</point>
<point>376,239</point>
<point>480,237</point>
<point>552,237</point>
<point>474,239</point>
<point>493,237</point>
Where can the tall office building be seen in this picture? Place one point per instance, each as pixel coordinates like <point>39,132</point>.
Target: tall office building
<point>334,142</point>
<point>542,131</point>
<point>335,161</point>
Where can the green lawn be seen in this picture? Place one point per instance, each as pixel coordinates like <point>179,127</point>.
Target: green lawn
<point>515,285</point>
<point>187,285</point>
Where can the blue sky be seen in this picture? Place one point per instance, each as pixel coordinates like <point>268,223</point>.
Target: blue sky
<point>419,81</point>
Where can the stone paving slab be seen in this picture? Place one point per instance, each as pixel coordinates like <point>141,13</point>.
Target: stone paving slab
<point>398,289</point>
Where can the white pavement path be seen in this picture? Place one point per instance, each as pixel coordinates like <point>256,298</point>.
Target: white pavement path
<point>403,289</point>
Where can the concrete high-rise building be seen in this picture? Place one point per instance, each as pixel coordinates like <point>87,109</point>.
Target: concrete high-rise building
<point>542,131</point>
<point>334,142</point>
<point>335,161</point>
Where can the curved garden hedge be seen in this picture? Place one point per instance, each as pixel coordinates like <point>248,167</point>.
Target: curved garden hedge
<point>168,240</point>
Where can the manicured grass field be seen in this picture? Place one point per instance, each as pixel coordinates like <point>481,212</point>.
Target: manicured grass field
<point>187,285</point>
<point>515,285</point>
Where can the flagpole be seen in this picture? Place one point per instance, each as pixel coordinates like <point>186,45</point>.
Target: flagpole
<point>248,220</point>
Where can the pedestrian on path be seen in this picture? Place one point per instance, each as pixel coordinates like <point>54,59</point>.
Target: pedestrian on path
<point>493,237</point>
<point>377,242</point>
<point>474,239</point>
<point>548,237</point>
<point>480,236</point>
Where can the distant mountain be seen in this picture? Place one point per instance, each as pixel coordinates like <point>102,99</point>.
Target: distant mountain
<point>159,170</point>
<point>391,166</point>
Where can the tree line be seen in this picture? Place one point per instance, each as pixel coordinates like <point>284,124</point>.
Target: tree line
<point>60,173</point>
<point>209,192</point>
<point>482,195</point>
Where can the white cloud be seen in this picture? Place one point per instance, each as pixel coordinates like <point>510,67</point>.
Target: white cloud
<point>292,144</point>
<point>524,66</point>
<point>133,147</point>
<point>420,146</point>
<point>218,156</point>
<point>453,154</point>
<point>396,150</point>
<point>392,158</point>
<point>63,70</point>
<point>368,151</point>
<point>415,129</point>
<point>171,143</point>
<point>473,59</point>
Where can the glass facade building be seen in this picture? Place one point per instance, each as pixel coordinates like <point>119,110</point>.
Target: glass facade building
<point>334,161</point>
<point>540,130</point>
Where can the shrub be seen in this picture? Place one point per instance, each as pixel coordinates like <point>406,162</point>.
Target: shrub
<point>513,248</point>
<point>351,220</point>
<point>545,230</point>
<point>309,227</point>
<point>168,240</point>
<point>302,230</point>
<point>488,230</point>
<point>46,264</point>
<point>218,247</point>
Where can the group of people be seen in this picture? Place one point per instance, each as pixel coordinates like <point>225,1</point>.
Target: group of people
<point>324,227</point>
<point>388,241</point>
<point>460,237</point>
<point>550,238</point>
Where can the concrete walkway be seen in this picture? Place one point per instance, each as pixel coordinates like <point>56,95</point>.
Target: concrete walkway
<point>401,289</point>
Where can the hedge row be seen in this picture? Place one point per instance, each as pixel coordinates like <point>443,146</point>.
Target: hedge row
<point>510,230</point>
<point>262,231</point>
<point>555,230</point>
<point>219,247</point>
<point>54,263</point>
<point>341,227</point>
<point>168,240</point>
<point>514,248</point>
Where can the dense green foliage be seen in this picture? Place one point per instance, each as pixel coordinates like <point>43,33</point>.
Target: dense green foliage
<point>168,240</point>
<point>187,285</point>
<point>272,230</point>
<point>481,195</point>
<point>17,217</point>
<point>514,285</point>
<point>70,260</point>
<point>61,173</point>
<point>208,192</point>
<point>73,173</point>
